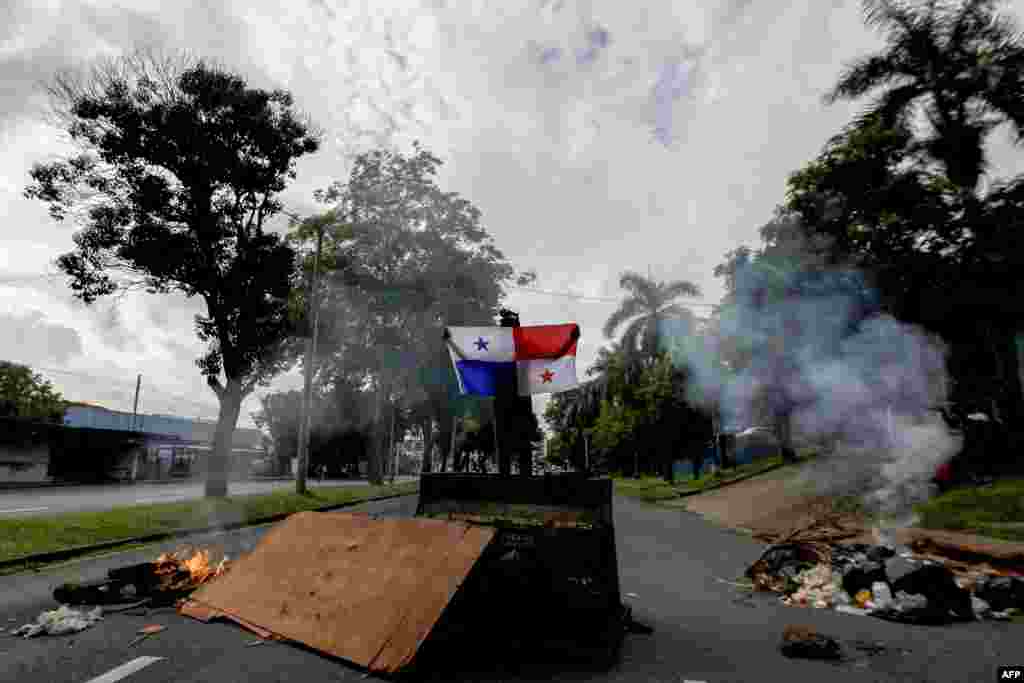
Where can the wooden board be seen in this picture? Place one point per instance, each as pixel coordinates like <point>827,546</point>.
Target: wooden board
<point>363,589</point>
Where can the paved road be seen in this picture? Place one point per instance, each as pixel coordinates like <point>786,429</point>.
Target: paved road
<point>670,561</point>
<point>54,500</point>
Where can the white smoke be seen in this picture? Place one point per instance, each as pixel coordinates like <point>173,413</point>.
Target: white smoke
<point>864,383</point>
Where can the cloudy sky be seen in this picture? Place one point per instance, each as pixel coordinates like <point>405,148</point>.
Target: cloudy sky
<point>594,136</point>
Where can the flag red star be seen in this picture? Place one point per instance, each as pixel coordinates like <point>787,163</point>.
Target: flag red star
<point>546,376</point>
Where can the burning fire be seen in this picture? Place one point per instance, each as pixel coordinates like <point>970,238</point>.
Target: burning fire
<point>196,563</point>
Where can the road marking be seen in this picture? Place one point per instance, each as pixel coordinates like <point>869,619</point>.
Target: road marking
<point>126,669</point>
<point>24,510</point>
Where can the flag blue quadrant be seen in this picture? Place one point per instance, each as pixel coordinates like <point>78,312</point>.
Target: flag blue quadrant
<point>483,377</point>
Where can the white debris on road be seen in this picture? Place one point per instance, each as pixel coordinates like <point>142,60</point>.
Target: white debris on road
<point>60,621</point>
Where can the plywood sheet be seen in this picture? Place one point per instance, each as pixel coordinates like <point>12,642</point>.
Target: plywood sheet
<point>363,589</point>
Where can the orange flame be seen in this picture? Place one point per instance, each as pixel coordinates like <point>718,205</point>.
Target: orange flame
<point>197,563</point>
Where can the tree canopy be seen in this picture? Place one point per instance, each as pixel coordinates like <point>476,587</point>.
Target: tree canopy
<point>402,258</point>
<point>180,167</point>
<point>26,394</point>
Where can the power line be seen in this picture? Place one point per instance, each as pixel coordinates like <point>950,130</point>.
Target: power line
<point>205,408</point>
<point>535,290</point>
<point>582,297</point>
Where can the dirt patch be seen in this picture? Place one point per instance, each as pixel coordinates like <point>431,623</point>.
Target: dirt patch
<point>780,501</point>
<point>774,503</point>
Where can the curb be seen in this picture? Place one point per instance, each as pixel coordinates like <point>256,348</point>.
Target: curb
<point>723,484</point>
<point>29,486</point>
<point>71,553</point>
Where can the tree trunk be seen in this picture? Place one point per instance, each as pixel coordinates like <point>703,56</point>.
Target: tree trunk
<point>218,465</point>
<point>392,455</point>
<point>428,445</point>
<point>784,433</point>
<point>444,441</point>
<point>374,468</point>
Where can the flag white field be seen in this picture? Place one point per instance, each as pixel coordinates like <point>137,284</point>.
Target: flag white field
<point>546,376</point>
<point>491,344</point>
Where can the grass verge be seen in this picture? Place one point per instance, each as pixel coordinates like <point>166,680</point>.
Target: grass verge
<point>655,489</point>
<point>722,476</point>
<point>996,511</point>
<point>33,535</point>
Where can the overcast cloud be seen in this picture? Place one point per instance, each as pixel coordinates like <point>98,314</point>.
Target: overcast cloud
<point>594,136</point>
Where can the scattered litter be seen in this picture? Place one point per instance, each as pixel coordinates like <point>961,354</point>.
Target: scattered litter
<point>915,585</point>
<point>1001,592</point>
<point>806,643</point>
<point>632,595</point>
<point>1004,615</point>
<point>848,609</point>
<point>908,602</point>
<point>881,595</point>
<point>60,621</point>
<point>254,643</point>
<point>146,632</point>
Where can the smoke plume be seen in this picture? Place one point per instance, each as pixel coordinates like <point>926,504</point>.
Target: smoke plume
<point>859,383</point>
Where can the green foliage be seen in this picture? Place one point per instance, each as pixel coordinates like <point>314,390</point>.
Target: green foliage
<point>402,258</point>
<point>28,395</point>
<point>996,511</point>
<point>280,416</point>
<point>957,64</point>
<point>179,171</point>
<point>644,311</point>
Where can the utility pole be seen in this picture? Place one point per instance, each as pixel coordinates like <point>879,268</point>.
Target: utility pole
<point>497,438</point>
<point>586,453</point>
<point>394,450</point>
<point>314,311</point>
<point>135,406</point>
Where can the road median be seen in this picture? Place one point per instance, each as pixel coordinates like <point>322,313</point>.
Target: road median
<point>29,542</point>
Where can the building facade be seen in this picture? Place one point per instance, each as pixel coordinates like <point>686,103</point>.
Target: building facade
<point>98,444</point>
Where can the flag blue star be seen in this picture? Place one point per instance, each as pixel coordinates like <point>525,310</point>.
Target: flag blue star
<point>481,344</point>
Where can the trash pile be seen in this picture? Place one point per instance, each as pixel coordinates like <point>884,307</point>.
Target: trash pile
<point>59,622</point>
<point>888,582</point>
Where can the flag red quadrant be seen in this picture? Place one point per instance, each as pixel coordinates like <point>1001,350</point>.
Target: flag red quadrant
<point>544,341</point>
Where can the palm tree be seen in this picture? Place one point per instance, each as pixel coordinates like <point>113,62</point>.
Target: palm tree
<point>962,67</point>
<point>644,312</point>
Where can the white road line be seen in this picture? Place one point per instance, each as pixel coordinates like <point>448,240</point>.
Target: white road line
<point>125,670</point>
<point>24,510</point>
<point>158,500</point>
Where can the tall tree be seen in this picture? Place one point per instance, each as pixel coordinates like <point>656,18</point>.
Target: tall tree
<point>26,394</point>
<point>405,258</point>
<point>644,311</point>
<point>960,65</point>
<point>180,168</point>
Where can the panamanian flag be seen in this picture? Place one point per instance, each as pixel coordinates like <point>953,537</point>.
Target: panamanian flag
<point>541,358</point>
